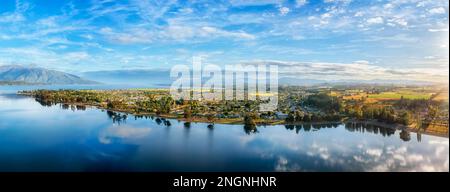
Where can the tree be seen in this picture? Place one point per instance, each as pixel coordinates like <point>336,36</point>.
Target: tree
<point>307,118</point>
<point>325,102</point>
<point>165,104</point>
<point>249,123</point>
<point>299,115</point>
<point>291,117</point>
<point>116,104</point>
<point>405,118</point>
<point>187,112</point>
<point>210,117</point>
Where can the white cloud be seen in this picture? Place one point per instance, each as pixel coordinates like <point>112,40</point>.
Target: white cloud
<point>300,3</point>
<point>212,31</point>
<point>438,30</point>
<point>77,55</point>
<point>174,32</point>
<point>17,15</point>
<point>151,10</point>
<point>359,14</point>
<point>87,36</point>
<point>48,22</point>
<point>400,38</point>
<point>436,11</point>
<point>254,2</point>
<point>11,18</point>
<point>132,36</point>
<point>388,6</point>
<point>338,1</point>
<point>398,21</point>
<point>325,15</point>
<point>22,6</point>
<point>375,20</point>
<point>358,70</point>
<point>364,62</point>
<point>284,10</point>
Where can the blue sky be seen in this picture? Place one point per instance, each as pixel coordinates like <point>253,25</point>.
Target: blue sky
<point>314,39</point>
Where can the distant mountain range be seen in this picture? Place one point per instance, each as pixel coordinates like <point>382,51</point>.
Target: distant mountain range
<point>315,82</point>
<point>17,74</point>
<point>36,75</point>
<point>162,77</point>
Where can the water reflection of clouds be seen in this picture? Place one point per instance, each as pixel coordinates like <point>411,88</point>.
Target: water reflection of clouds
<point>403,158</point>
<point>283,165</point>
<point>350,153</point>
<point>18,105</point>
<point>321,151</point>
<point>122,132</point>
<point>374,152</point>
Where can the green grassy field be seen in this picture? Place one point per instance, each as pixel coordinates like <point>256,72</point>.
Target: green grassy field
<point>398,95</point>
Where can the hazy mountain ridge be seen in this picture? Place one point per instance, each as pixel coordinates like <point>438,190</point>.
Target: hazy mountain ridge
<point>37,75</point>
<point>17,74</point>
<point>162,76</point>
<point>313,82</point>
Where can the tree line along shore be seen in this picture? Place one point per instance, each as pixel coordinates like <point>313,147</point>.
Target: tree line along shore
<point>296,105</point>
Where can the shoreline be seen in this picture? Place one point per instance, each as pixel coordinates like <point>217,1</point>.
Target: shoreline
<point>239,121</point>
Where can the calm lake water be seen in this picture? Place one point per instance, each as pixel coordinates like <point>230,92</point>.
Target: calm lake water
<point>61,138</point>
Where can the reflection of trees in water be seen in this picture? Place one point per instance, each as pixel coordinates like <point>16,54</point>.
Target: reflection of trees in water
<point>63,106</point>
<point>47,103</point>
<point>311,127</point>
<point>158,121</point>
<point>163,121</point>
<point>44,103</point>
<point>136,117</point>
<point>121,118</point>
<point>249,129</point>
<point>366,127</point>
<point>405,135</point>
<point>167,123</point>
<point>117,117</point>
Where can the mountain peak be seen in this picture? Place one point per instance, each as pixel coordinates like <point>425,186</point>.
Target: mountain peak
<point>34,74</point>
